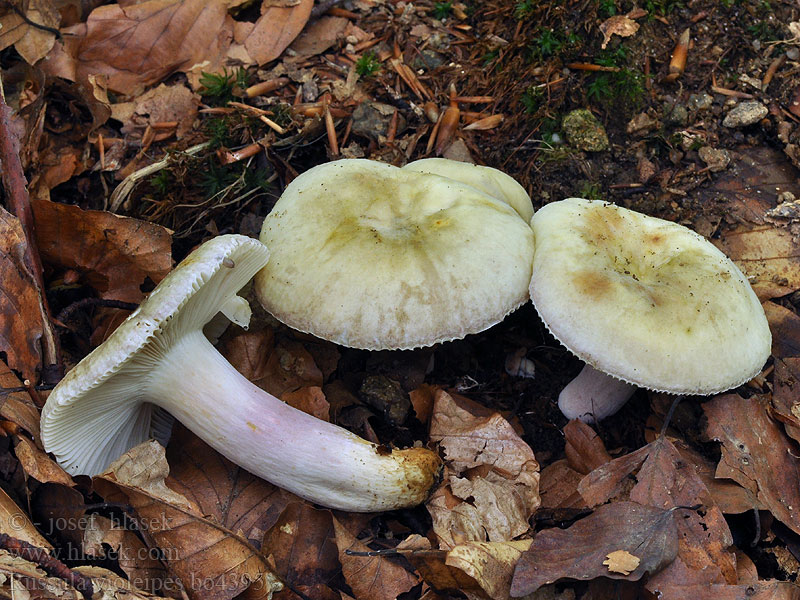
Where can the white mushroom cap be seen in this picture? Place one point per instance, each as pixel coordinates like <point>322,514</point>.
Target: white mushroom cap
<point>645,300</point>
<point>494,182</point>
<point>372,256</point>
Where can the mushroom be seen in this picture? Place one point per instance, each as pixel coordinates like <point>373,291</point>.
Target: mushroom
<point>159,359</point>
<point>373,256</point>
<point>644,302</point>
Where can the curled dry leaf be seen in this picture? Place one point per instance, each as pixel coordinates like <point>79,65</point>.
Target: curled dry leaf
<point>37,464</point>
<point>491,481</point>
<point>311,400</point>
<point>274,30</point>
<point>620,25</point>
<point>144,570</point>
<point>757,454</point>
<point>370,577</point>
<point>20,304</point>
<point>211,561</point>
<point>162,104</point>
<point>579,552</point>
<point>114,254</point>
<point>16,406</point>
<point>479,569</point>
<point>585,449</point>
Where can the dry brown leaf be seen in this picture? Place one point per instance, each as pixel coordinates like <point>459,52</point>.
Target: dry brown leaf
<point>22,325</point>
<point>302,548</point>
<point>227,493</point>
<point>275,29</point>
<point>621,561</point>
<point>39,465</point>
<point>319,36</point>
<point>114,254</point>
<point>275,365</point>
<point>309,399</point>
<point>490,564</point>
<point>32,43</point>
<point>619,25</point>
<point>16,406</point>
<point>785,326</point>
<point>422,401</point>
<point>767,252</point>
<point>763,590</point>
<point>174,103</point>
<point>558,486</point>
<point>579,552</point>
<point>141,44</point>
<point>370,577</point>
<point>144,570</point>
<point>211,561</point>
<point>665,480</point>
<point>757,454</point>
<point>492,472</point>
<point>584,449</point>
<point>15,523</point>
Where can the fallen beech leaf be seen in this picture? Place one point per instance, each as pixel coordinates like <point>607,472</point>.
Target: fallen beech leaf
<point>174,103</point>
<point>558,486</point>
<point>278,366</point>
<point>115,254</point>
<point>621,561</point>
<point>32,43</point>
<point>370,577</point>
<point>785,326</point>
<point>617,25</point>
<point>665,480</point>
<point>767,252</point>
<point>211,561</point>
<point>490,564</point>
<point>16,523</point>
<point>39,465</point>
<point>230,495</point>
<point>579,551</point>
<point>756,453</point>
<point>21,327</point>
<point>489,468</point>
<point>275,29</point>
<point>301,545</point>
<point>309,399</point>
<point>584,449</point>
<point>138,562</point>
<point>763,590</point>
<point>16,406</point>
<point>319,36</point>
<point>141,44</point>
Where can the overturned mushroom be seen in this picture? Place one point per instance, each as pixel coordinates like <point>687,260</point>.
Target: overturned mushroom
<point>644,302</point>
<point>372,256</point>
<point>160,359</point>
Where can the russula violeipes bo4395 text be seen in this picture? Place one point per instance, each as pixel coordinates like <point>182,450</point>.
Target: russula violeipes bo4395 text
<point>650,302</point>
<point>373,256</point>
<point>159,357</point>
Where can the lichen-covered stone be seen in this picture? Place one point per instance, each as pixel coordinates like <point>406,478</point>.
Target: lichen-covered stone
<point>584,131</point>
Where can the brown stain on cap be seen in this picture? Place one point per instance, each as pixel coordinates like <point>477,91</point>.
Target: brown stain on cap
<point>591,283</point>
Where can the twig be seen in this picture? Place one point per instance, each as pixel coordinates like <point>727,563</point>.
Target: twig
<point>321,8</point>
<point>27,21</point>
<point>19,202</point>
<point>52,566</point>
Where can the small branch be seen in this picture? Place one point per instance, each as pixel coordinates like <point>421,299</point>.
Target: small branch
<point>52,566</point>
<point>68,311</point>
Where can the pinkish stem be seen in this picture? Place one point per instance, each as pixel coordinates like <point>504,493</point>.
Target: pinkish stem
<point>592,395</point>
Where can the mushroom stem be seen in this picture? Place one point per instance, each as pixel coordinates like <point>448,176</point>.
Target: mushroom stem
<point>592,395</point>
<point>314,459</point>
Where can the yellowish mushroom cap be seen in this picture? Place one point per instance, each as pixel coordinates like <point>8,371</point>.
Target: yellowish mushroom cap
<point>492,181</point>
<point>373,256</point>
<point>645,300</point>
